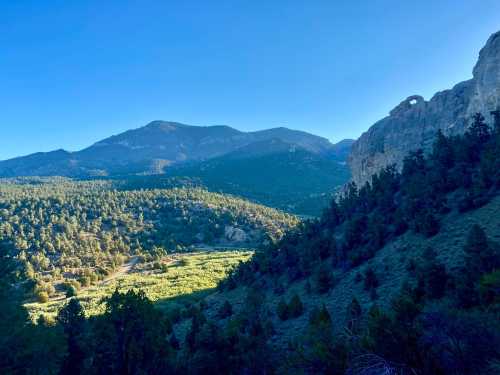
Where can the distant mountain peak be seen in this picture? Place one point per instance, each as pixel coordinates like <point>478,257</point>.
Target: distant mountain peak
<point>163,143</point>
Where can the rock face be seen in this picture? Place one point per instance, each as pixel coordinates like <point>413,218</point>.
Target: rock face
<point>414,122</point>
<point>234,234</point>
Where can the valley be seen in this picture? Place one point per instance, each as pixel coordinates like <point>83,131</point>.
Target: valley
<point>171,248</point>
<point>171,282</point>
<point>69,234</point>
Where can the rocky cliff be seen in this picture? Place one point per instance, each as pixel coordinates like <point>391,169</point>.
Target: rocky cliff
<point>414,122</point>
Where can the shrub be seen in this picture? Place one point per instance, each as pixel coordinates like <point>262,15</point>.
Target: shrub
<point>71,291</point>
<point>42,296</point>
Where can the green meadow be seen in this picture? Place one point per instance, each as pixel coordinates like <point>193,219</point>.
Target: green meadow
<point>184,277</point>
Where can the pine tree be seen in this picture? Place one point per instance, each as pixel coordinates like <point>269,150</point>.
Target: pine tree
<point>371,280</point>
<point>324,279</point>
<point>320,317</point>
<point>353,315</point>
<point>480,254</point>
<point>72,319</point>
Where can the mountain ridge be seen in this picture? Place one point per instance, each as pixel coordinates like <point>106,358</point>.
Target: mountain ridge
<point>151,148</point>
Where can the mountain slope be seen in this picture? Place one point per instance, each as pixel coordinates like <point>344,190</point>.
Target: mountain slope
<point>152,148</point>
<point>271,172</point>
<point>414,122</point>
<point>385,280</point>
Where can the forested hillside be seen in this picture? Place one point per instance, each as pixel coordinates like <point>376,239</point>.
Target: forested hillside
<point>80,231</point>
<point>400,276</point>
<point>273,173</point>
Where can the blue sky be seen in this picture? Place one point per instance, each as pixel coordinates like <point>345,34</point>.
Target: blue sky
<point>74,72</point>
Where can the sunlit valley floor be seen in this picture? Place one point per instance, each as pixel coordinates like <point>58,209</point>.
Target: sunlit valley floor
<point>168,282</point>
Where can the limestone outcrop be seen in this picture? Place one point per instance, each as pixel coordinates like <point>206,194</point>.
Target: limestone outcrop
<point>414,122</point>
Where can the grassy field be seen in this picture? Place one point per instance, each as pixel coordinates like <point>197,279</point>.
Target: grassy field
<point>188,276</point>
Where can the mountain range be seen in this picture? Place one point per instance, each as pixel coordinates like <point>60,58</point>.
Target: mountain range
<point>288,169</point>
<point>155,147</point>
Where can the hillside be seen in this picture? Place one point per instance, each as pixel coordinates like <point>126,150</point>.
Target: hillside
<point>273,173</point>
<point>390,275</point>
<point>79,231</point>
<point>282,168</point>
<point>414,122</point>
<point>399,276</point>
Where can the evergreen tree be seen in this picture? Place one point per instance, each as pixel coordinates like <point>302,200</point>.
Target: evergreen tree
<point>72,319</point>
<point>480,254</point>
<point>354,316</point>
<point>324,279</point>
<point>371,280</point>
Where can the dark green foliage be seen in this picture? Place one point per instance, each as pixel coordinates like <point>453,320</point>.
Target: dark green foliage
<point>320,317</point>
<point>72,320</point>
<point>131,337</point>
<point>432,275</point>
<point>370,279</point>
<point>481,256</point>
<point>282,309</point>
<point>290,310</point>
<point>226,310</point>
<point>489,288</point>
<point>295,307</point>
<point>174,342</point>
<point>365,218</point>
<point>354,313</point>
<point>299,182</point>
<point>324,279</point>
<point>26,348</point>
<point>71,291</point>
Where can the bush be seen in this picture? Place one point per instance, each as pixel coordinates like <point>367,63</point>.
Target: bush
<point>71,291</point>
<point>164,268</point>
<point>42,296</point>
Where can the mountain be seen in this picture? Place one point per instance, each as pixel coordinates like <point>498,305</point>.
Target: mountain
<point>270,172</point>
<point>400,276</point>
<point>414,122</point>
<point>288,169</point>
<point>153,148</point>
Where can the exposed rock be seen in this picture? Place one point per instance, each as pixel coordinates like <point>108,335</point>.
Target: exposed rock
<point>414,122</point>
<point>235,234</point>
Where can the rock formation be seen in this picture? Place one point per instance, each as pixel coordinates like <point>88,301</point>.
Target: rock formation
<point>414,122</point>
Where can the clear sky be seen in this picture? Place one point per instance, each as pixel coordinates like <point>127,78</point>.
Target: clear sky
<point>74,72</point>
